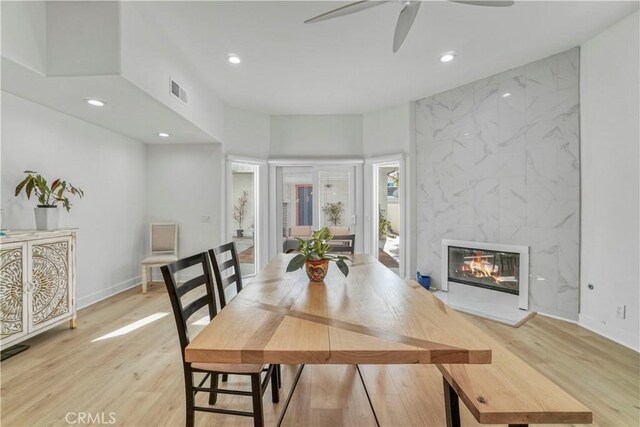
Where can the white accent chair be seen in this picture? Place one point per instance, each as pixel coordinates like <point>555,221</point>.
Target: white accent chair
<point>164,249</point>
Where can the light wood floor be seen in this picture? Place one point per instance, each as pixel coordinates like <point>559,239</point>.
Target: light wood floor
<point>137,376</point>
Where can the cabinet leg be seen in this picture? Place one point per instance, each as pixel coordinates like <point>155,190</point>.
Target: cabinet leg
<point>144,279</point>
<point>73,323</point>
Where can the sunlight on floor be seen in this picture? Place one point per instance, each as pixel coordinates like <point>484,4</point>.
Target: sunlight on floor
<point>132,326</point>
<point>201,322</point>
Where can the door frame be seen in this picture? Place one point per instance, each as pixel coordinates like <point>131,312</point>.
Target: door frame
<point>275,241</point>
<point>261,220</point>
<point>371,206</point>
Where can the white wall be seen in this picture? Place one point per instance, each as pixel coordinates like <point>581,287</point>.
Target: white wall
<point>246,133</point>
<point>184,185</point>
<point>24,33</point>
<point>610,138</point>
<point>387,131</point>
<point>506,170</point>
<point>150,59</point>
<point>316,136</point>
<point>109,167</point>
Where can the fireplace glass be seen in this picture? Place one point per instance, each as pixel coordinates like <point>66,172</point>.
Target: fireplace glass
<point>485,268</point>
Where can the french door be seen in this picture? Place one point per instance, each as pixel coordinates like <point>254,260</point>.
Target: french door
<point>311,195</point>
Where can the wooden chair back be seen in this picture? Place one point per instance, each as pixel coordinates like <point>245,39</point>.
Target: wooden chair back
<point>223,258</point>
<point>347,244</point>
<point>186,306</point>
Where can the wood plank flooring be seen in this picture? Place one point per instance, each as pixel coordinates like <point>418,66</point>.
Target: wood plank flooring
<point>137,376</point>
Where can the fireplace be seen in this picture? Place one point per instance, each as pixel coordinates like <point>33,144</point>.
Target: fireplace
<point>497,270</point>
<point>491,266</point>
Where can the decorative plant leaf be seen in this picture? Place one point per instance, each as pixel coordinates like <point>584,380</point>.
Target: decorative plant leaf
<point>21,185</point>
<point>296,263</point>
<point>344,268</point>
<point>29,188</point>
<point>47,195</point>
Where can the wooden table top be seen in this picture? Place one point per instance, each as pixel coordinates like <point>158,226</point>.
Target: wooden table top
<point>370,317</point>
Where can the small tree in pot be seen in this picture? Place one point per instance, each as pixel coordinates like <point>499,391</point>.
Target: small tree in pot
<point>240,211</point>
<point>313,254</point>
<point>48,197</point>
<point>333,212</point>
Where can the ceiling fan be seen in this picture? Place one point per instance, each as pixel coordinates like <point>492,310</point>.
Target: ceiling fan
<point>407,14</point>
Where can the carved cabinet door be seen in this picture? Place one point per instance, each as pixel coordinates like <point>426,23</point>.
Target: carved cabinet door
<point>50,282</point>
<point>13,298</point>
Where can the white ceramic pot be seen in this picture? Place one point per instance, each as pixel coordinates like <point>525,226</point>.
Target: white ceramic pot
<point>46,217</point>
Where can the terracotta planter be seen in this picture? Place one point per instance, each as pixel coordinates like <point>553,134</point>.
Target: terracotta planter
<point>317,269</point>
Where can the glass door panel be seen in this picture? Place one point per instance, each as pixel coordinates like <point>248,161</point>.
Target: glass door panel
<point>295,206</point>
<point>336,198</point>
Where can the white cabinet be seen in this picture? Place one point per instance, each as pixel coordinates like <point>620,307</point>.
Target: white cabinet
<point>37,283</point>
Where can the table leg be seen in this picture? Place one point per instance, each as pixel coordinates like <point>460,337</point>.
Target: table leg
<point>451,405</point>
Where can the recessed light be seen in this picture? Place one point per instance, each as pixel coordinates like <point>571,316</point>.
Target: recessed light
<point>163,135</point>
<point>233,59</point>
<point>95,102</point>
<point>447,57</point>
<point>506,95</point>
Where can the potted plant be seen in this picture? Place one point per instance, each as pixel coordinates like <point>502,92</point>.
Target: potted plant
<point>384,226</point>
<point>240,211</point>
<point>48,197</point>
<point>333,212</point>
<point>313,254</point>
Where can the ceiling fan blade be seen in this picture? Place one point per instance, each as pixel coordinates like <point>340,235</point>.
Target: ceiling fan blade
<point>346,10</point>
<point>498,3</point>
<point>405,21</point>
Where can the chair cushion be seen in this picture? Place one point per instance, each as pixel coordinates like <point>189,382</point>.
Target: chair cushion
<point>229,368</point>
<point>159,259</point>
<point>339,231</point>
<point>300,231</point>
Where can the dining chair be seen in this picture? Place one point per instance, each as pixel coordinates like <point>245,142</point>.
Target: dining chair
<point>188,298</point>
<point>163,242</point>
<point>343,244</point>
<point>224,258</point>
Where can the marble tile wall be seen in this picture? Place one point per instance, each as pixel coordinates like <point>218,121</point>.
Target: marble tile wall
<point>505,168</point>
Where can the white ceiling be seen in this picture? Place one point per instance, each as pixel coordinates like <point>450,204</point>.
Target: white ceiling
<point>130,111</point>
<point>346,66</point>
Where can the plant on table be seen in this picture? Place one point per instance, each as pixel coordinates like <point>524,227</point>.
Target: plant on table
<point>48,195</point>
<point>314,254</point>
<point>333,212</point>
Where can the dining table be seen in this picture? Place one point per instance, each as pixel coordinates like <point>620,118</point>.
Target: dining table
<point>371,316</point>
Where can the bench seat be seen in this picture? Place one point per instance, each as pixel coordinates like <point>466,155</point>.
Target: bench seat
<point>507,391</point>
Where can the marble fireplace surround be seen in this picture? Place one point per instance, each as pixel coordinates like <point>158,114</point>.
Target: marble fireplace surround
<point>498,161</point>
<point>523,251</point>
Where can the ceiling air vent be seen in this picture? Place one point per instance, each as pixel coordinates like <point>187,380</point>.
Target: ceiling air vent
<point>179,92</point>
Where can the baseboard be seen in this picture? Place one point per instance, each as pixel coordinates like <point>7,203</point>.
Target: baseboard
<point>95,297</point>
<point>614,334</point>
<point>553,316</point>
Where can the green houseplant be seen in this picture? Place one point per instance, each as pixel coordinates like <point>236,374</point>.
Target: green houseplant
<point>313,254</point>
<point>333,212</point>
<point>240,211</point>
<point>48,196</point>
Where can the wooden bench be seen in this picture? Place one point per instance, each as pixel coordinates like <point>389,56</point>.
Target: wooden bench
<point>508,391</point>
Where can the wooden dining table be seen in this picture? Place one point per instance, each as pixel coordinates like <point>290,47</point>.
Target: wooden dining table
<point>370,317</point>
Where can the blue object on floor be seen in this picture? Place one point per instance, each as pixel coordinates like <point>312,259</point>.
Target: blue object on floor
<point>425,281</point>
